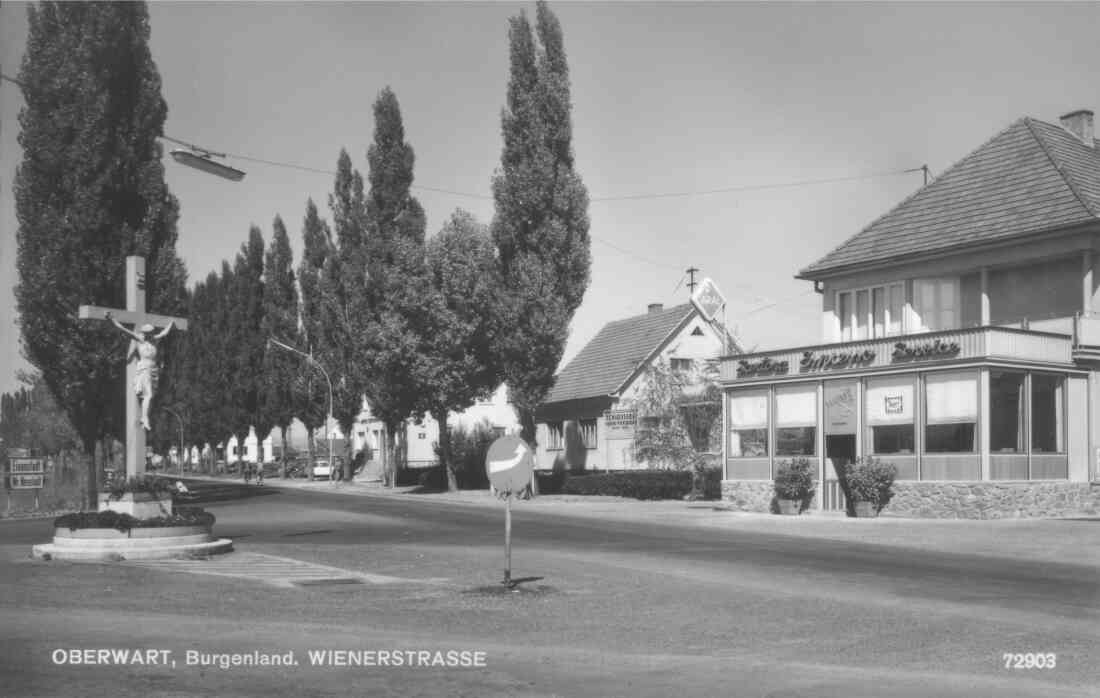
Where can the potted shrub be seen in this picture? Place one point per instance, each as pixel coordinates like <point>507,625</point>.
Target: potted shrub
<point>794,485</point>
<point>869,483</point>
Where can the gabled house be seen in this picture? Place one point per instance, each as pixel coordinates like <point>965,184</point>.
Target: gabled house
<point>586,421</point>
<point>422,439</point>
<point>960,342</point>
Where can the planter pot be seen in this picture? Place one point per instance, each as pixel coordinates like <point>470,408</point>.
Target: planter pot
<point>790,507</point>
<point>866,510</point>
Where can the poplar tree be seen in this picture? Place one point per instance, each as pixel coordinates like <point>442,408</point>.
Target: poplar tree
<point>246,353</point>
<point>310,391</point>
<point>342,351</point>
<point>390,300</point>
<point>541,216</point>
<point>89,191</point>
<point>280,321</point>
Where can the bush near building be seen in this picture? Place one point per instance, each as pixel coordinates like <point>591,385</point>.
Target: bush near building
<point>644,484</point>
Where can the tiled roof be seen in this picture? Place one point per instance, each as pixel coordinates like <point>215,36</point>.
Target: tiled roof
<point>1032,177</point>
<point>606,362</point>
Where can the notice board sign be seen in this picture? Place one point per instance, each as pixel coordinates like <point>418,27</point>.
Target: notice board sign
<point>27,466</point>
<point>26,482</point>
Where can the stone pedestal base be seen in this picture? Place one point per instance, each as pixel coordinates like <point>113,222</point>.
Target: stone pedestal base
<point>112,545</point>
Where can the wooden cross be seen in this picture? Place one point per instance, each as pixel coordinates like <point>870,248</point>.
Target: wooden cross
<point>135,314</point>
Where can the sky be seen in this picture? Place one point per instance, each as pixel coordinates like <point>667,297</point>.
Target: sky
<point>702,131</point>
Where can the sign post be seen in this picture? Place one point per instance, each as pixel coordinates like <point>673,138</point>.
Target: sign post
<point>509,464</point>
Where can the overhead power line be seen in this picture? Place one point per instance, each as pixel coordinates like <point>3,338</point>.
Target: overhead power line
<point>626,197</point>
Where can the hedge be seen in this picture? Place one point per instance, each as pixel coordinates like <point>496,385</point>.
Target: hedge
<point>644,484</point>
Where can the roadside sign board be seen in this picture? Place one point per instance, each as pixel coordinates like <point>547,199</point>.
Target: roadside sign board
<point>27,482</point>
<point>27,466</point>
<point>509,464</point>
<point>708,300</point>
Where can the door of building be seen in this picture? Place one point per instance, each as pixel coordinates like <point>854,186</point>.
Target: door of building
<point>840,450</point>
<point>841,426</point>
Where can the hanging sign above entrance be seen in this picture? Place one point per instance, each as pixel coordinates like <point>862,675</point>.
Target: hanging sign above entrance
<point>708,300</point>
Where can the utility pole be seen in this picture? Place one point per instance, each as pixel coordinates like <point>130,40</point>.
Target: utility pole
<point>691,271</point>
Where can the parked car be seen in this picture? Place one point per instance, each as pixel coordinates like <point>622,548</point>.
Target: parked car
<point>322,469</point>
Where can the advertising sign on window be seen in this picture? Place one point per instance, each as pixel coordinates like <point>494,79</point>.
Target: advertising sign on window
<point>840,408</point>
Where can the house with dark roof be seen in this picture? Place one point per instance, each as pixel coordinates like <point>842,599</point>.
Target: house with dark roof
<point>960,342</point>
<point>586,421</point>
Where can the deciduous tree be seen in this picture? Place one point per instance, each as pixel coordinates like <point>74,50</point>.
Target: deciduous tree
<point>460,302</point>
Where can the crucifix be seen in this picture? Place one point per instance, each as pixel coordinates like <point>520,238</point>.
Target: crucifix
<point>141,357</point>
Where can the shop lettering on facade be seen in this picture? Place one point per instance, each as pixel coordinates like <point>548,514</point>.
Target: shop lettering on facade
<point>763,367</point>
<point>929,350</point>
<point>825,362</point>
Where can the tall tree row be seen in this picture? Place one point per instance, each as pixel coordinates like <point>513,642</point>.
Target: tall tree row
<point>90,191</point>
<point>540,225</point>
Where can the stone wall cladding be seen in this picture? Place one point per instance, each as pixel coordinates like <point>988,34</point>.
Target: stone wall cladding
<point>993,500</point>
<point>748,495</point>
<point>952,500</point>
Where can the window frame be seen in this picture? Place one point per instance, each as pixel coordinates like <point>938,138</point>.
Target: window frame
<point>588,429</point>
<point>555,436</point>
<point>848,299</point>
<point>920,314</point>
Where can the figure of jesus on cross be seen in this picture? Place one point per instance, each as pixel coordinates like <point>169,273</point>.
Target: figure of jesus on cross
<point>141,375</point>
<point>145,348</point>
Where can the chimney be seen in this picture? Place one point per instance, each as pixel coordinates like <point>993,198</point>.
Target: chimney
<point>1079,123</point>
<point>655,307</point>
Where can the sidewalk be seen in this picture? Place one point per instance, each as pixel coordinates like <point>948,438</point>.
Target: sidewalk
<point>1068,541</point>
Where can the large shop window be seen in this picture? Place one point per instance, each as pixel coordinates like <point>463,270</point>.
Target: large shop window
<point>1047,417</point>
<point>870,313</point>
<point>1007,412</point>
<point>951,412</point>
<point>796,420</point>
<point>936,304</point>
<point>748,412</point>
<point>890,414</point>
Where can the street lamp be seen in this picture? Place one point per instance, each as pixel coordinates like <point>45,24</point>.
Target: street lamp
<point>202,159</point>
<point>328,422</point>
<point>180,420</point>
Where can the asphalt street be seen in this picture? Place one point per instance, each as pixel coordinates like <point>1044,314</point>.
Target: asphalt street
<point>606,608</point>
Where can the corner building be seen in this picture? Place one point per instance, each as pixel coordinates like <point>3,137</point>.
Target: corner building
<point>960,342</point>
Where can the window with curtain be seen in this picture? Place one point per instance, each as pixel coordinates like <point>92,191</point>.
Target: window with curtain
<point>844,312</point>
<point>1047,413</point>
<point>936,304</point>
<point>1007,412</point>
<point>951,412</point>
<point>588,432</point>
<point>890,414</point>
<point>796,420</point>
<point>748,415</point>
<point>895,307</point>
<point>554,436</point>
<point>862,307</point>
